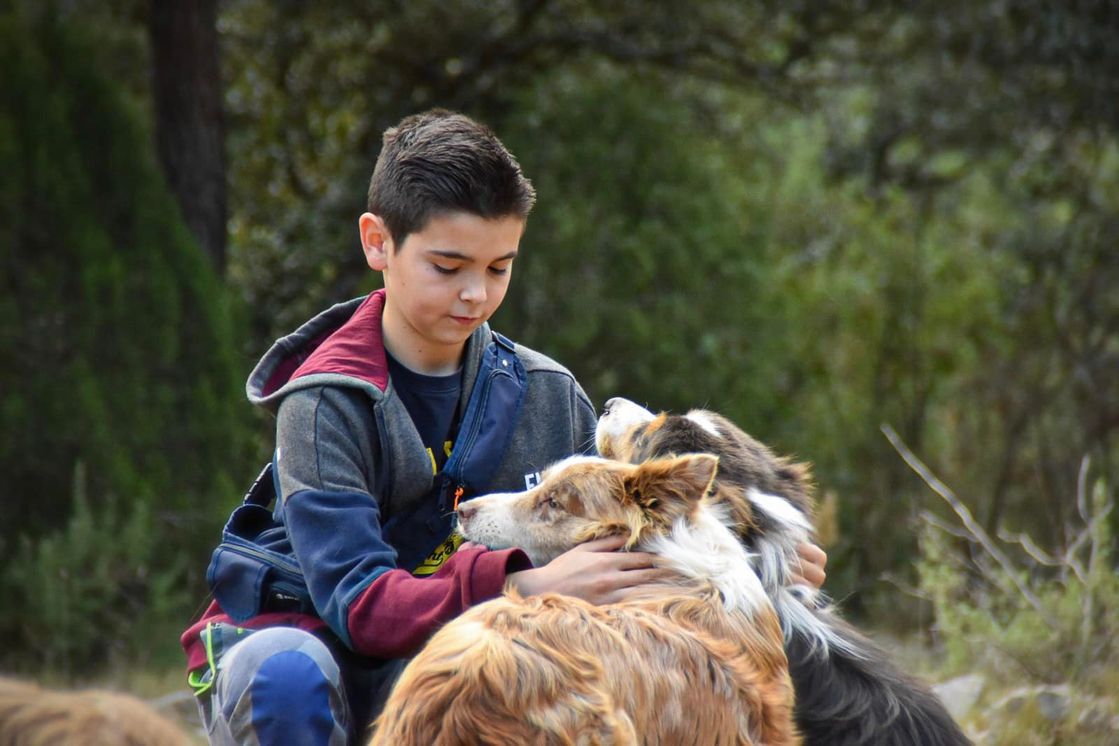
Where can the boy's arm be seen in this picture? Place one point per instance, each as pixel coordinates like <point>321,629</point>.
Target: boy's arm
<point>326,441</point>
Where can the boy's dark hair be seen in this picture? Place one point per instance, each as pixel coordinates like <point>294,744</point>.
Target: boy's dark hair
<point>439,162</point>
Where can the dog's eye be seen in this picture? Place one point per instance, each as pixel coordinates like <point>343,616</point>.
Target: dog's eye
<point>553,503</point>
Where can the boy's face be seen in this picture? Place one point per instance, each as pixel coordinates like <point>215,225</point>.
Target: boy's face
<point>442,283</point>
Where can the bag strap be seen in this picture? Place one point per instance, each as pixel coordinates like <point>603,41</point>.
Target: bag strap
<point>263,489</point>
<point>490,418</point>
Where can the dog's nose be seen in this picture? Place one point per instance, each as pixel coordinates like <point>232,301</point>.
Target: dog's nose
<point>465,512</point>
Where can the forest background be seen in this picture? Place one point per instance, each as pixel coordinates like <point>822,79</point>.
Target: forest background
<point>817,218</point>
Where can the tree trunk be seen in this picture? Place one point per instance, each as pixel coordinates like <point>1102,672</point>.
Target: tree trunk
<point>189,126</point>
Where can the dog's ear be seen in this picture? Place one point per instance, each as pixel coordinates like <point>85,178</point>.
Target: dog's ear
<point>796,484</point>
<point>683,479</point>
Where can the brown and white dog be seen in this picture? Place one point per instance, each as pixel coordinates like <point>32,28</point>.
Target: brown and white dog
<point>33,716</point>
<point>847,689</point>
<point>698,660</point>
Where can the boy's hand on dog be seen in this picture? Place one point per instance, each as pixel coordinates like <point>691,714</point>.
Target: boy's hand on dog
<point>813,560</point>
<point>594,572</point>
<point>597,573</point>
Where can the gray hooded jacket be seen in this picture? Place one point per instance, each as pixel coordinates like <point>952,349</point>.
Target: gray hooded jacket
<point>353,476</point>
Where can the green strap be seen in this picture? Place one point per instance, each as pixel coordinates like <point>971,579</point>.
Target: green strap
<point>214,640</point>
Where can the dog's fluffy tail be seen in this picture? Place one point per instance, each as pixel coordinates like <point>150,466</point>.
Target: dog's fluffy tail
<point>851,693</point>
<point>33,716</point>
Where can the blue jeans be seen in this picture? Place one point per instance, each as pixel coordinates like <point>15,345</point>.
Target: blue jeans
<point>282,685</point>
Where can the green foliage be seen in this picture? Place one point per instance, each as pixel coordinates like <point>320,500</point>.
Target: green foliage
<point>1030,726</point>
<point>641,249</point>
<point>313,85</point>
<point>116,344</point>
<point>813,219</point>
<point>1060,628</point>
<point>721,269</point>
<point>888,305</point>
<point>1023,100</point>
<point>100,589</point>
<point>1035,623</point>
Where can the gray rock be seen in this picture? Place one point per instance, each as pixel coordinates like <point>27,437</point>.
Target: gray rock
<point>960,694</point>
<point>1054,702</point>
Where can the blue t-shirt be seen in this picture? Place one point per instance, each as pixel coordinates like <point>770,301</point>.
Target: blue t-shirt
<point>432,402</point>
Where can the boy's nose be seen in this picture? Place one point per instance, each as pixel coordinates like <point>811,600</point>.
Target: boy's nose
<point>473,292</point>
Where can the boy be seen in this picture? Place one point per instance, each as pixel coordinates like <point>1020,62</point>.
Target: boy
<point>369,398</point>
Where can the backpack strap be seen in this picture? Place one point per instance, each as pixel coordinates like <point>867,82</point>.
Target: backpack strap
<point>485,431</point>
<point>490,418</point>
<point>252,570</point>
<point>263,489</point>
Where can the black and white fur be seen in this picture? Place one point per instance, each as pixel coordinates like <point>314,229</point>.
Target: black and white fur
<point>848,691</point>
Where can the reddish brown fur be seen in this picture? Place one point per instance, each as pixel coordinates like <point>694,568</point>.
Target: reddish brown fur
<point>556,670</point>
<point>33,716</point>
<point>745,462</point>
<point>672,667</point>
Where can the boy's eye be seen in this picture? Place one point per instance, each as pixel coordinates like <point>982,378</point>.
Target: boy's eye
<point>500,270</point>
<point>444,270</point>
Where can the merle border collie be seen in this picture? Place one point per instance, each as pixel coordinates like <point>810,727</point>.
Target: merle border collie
<point>847,689</point>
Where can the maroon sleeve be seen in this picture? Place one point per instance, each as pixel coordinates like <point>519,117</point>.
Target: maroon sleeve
<point>396,614</point>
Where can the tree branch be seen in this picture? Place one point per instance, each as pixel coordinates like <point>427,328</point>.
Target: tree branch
<point>1028,545</point>
<point>972,525</point>
<point>939,523</point>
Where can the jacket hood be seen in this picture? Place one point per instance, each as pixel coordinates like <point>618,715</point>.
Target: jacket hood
<point>342,346</point>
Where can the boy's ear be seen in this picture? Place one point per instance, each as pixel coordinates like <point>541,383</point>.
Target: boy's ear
<point>376,241</point>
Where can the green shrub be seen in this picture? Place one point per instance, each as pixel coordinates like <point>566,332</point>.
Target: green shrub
<point>1047,617</point>
<point>96,591</point>
<point>117,364</point>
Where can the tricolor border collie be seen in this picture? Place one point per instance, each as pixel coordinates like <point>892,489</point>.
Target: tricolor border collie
<point>847,689</point>
<point>698,659</point>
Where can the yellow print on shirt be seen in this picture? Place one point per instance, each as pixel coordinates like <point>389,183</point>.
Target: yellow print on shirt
<point>447,445</point>
<point>441,554</point>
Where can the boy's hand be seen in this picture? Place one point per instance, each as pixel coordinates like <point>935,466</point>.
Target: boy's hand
<point>811,572</point>
<point>594,572</point>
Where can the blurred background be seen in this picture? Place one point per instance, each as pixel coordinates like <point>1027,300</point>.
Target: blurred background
<point>817,218</point>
